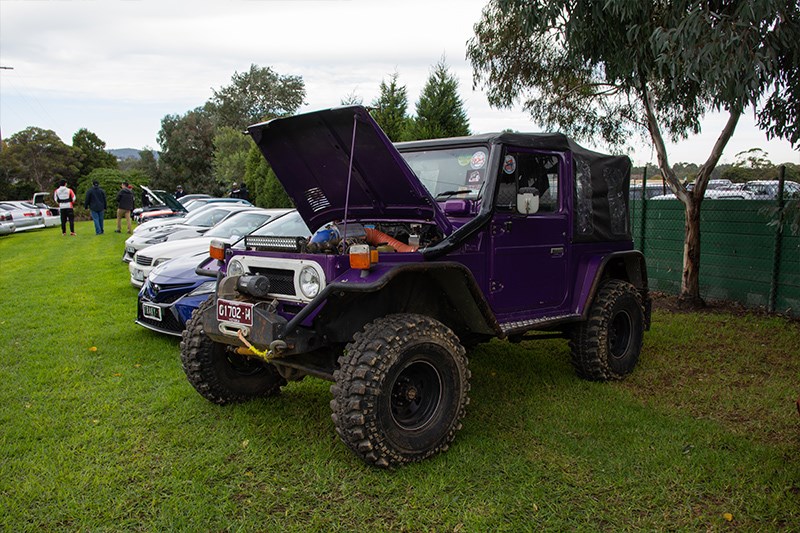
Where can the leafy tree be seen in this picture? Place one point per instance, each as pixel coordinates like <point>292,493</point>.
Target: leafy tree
<point>625,67</point>
<point>256,95</point>
<point>147,164</point>
<point>230,156</point>
<point>35,158</point>
<point>187,144</point>
<point>265,189</point>
<point>391,109</point>
<point>110,180</point>
<point>92,152</point>
<point>440,111</point>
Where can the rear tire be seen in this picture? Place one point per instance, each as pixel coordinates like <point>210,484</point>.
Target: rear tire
<point>218,373</point>
<point>401,390</point>
<point>606,346</point>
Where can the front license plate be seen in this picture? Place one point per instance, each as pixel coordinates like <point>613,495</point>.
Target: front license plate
<point>130,249</point>
<point>236,312</point>
<point>151,311</point>
<point>138,275</point>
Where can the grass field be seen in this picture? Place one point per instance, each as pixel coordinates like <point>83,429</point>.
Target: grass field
<point>703,435</point>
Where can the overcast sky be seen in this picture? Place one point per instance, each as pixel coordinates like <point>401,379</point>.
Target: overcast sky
<point>118,67</point>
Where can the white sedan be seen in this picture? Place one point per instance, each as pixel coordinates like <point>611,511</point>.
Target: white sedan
<point>231,229</point>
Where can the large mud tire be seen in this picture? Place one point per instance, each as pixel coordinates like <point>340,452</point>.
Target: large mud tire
<point>606,346</point>
<point>219,374</point>
<point>401,390</point>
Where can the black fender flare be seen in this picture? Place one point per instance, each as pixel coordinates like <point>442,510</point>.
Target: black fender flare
<point>628,265</point>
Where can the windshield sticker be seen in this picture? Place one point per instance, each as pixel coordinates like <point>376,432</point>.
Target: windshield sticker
<point>510,164</point>
<point>474,176</point>
<point>478,160</point>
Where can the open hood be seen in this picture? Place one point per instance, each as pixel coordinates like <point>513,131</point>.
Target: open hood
<point>310,155</point>
<point>167,198</point>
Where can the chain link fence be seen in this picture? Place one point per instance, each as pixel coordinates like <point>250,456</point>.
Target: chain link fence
<point>747,255</point>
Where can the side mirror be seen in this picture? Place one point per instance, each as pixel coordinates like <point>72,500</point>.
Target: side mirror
<point>528,200</point>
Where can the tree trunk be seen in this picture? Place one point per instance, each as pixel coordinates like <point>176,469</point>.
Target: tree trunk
<point>690,279</point>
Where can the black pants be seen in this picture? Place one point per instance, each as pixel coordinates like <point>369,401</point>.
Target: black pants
<point>67,214</point>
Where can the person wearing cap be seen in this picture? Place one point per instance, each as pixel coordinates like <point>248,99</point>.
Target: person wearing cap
<point>95,202</point>
<point>178,192</point>
<point>124,206</point>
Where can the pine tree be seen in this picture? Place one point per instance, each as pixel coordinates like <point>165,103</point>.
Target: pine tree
<point>440,110</point>
<point>391,109</point>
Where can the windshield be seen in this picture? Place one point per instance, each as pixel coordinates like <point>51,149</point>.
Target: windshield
<point>451,172</point>
<point>238,224</point>
<point>207,217</point>
<point>290,225</point>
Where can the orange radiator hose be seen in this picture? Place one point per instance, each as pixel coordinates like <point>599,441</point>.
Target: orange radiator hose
<point>375,238</point>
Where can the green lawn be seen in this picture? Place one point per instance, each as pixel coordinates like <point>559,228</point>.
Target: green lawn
<point>117,439</point>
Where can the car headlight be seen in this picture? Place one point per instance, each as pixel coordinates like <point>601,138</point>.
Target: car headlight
<point>156,240</point>
<point>206,287</point>
<point>160,260</point>
<point>235,268</point>
<point>309,282</point>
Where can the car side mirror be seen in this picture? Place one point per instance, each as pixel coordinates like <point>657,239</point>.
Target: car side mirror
<point>528,200</point>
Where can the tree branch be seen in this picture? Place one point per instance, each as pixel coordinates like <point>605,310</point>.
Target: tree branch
<point>704,173</point>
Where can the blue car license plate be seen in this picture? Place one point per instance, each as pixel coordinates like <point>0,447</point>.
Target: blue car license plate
<point>153,312</point>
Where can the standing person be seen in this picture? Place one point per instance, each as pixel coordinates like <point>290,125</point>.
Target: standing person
<point>65,198</point>
<point>244,194</point>
<point>96,203</point>
<point>124,206</point>
<point>178,192</point>
<point>234,191</point>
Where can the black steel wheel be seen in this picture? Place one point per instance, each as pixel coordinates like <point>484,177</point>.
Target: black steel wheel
<point>401,390</point>
<point>217,372</point>
<point>607,345</point>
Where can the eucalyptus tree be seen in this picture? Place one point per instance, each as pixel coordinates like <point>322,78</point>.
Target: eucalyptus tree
<point>256,95</point>
<point>92,152</point>
<point>610,70</point>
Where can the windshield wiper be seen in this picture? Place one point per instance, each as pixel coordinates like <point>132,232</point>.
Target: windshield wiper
<point>449,193</point>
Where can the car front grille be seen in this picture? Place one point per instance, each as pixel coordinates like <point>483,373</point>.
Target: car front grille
<point>144,260</point>
<point>280,281</point>
<point>165,293</point>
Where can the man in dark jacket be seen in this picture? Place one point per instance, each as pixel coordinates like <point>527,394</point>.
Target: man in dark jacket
<point>95,202</point>
<point>124,206</point>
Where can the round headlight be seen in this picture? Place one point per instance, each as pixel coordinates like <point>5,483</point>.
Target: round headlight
<point>235,268</point>
<point>309,282</point>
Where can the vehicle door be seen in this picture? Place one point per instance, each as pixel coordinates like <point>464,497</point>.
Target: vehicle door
<point>528,260</point>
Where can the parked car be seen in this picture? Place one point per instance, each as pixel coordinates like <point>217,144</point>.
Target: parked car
<point>652,189</point>
<point>52,215</point>
<point>163,205</point>
<point>202,202</point>
<point>7,225</point>
<point>186,198</point>
<point>768,189</point>
<point>26,215</point>
<point>173,289</point>
<point>714,194</point>
<point>193,226</point>
<point>234,227</point>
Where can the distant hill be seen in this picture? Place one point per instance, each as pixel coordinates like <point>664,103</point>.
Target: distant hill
<point>127,153</point>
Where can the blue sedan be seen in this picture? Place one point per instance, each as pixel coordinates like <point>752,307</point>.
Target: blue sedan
<point>173,290</point>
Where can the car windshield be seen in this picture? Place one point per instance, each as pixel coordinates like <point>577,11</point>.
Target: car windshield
<point>207,218</point>
<point>238,224</point>
<point>289,225</point>
<point>451,172</point>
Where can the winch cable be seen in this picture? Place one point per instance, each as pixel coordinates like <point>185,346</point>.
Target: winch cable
<point>266,355</point>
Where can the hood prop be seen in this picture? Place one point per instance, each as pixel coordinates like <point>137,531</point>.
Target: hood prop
<point>349,178</point>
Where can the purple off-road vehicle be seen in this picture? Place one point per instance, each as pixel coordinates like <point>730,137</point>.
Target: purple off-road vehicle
<point>419,250</point>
